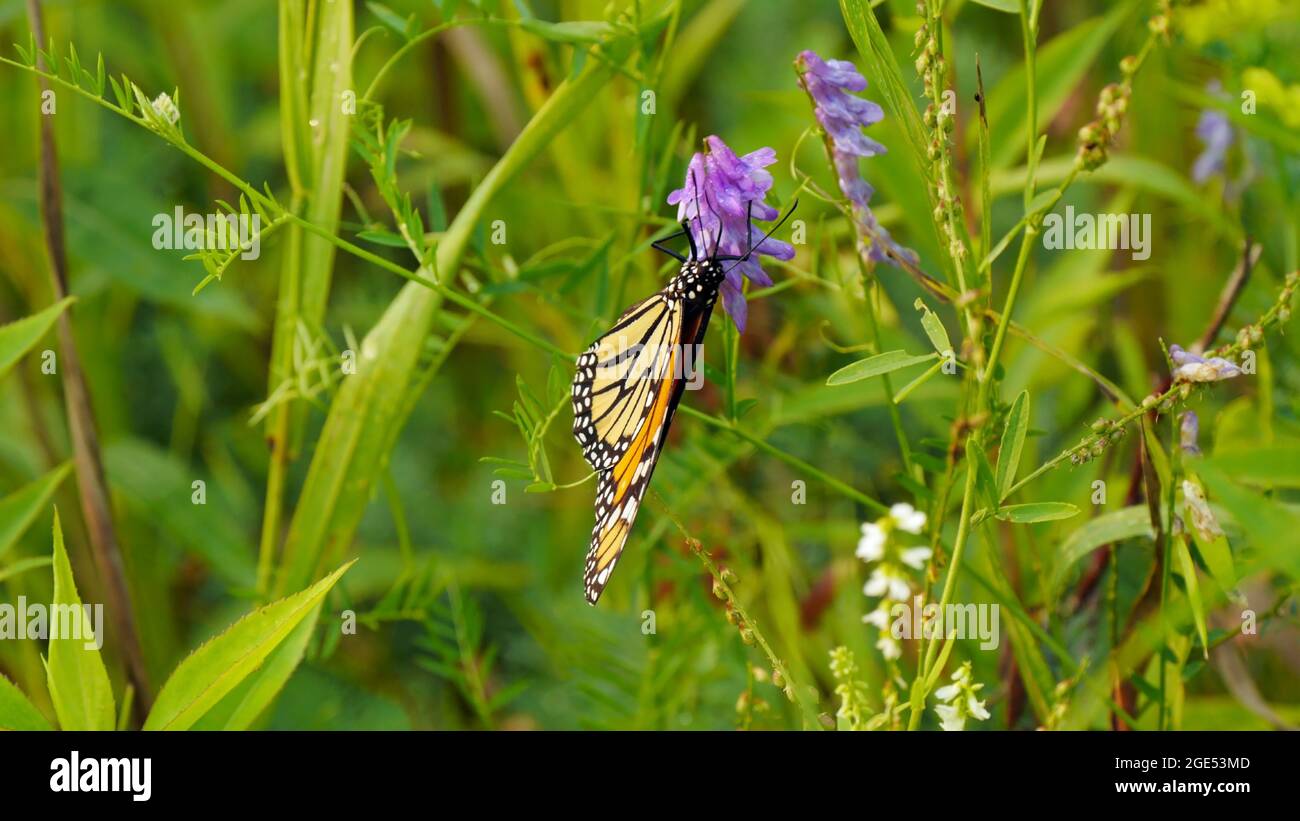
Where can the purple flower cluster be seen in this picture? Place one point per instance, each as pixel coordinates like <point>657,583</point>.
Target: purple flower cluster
<point>1215,131</point>
<point>1192,368</point>
<point>716,202</point>
<point>842,117</point>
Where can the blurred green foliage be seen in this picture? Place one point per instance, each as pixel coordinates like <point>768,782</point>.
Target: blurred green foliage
<point>469,612</point>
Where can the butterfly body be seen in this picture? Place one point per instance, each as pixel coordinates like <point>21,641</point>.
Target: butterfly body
<point>625,391</point>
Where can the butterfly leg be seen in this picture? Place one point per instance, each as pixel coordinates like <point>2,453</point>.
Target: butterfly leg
<point>658,244</point>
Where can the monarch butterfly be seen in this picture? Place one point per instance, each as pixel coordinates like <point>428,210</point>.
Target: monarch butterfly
<point>624,395</point>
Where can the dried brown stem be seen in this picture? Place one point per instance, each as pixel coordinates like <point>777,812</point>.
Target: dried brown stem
<point>76,395</point>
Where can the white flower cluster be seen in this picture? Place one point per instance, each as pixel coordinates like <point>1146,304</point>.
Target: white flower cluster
<point>959,700</point>
<point>166,108</point>
<point>891,579</point>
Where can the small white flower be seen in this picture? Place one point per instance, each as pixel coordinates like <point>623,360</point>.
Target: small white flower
<point>916,557</point>
<point>889,647</point>
<point>878,617</point>
<point>871,547</point>
<point>907,518</point>
<point>886,582</point>
<point>960,701</point>
<point>165,108</point>
<point>952,719</point>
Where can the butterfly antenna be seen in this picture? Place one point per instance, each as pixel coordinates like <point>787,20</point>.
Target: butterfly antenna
<point>755,246</point>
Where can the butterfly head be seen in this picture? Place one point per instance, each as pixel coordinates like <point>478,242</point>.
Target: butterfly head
<point>698,280</point>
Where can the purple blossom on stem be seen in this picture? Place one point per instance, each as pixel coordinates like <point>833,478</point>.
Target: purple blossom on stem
<point>1192,368</point>
<point>1215,131</point>
<point>842,117</point>
<point>718,215</point>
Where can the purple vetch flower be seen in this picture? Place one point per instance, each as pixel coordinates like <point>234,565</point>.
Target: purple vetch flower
<point>1189,430</point>
<point>1214,130</point>
<point>1192,368</point>
<point>842,117</point>
<point>718,215</point>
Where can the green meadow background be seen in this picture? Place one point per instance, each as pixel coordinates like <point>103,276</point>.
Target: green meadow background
<point>442,466</point>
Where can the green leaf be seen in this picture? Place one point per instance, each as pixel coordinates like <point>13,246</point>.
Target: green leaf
<point>1188,572</point>
<point>75,674</point>
<point>16,712</point>
<point>391,19</point>
<point>984,478</point>
<point>200,682</point>
<point>18,337</point>
<point>574,31</point>
<point>1013,442</point>
<point>876,365</point>
<point>1036,512</point>
<point>23,565</point>
<point>380,236</point>
<point>933,327</point>
<point>1128,523</point>
<point>19,509</point>
<point>1009,6</point>
<point>242,705</point>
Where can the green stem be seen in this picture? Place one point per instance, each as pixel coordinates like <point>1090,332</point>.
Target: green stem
<point>793,461</point>
<point>895,417</point>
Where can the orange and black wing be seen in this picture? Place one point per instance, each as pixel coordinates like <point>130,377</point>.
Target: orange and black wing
<point>627,387</point>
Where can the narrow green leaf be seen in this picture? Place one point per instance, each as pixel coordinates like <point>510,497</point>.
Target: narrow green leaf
<point>881,68</point>
<point>23,565</point>
<point>1188,572</point>
<point>1013,441</point>
<point>18,337</point>
<point>19,509</point>
<point>876,365</point>
<point>390,18</point>
<point>242,705</point>
<point>933,326</point>
<point>75,674</point>
<point>575,31</point>
<point>16,712</point>
<point>985,480</point>
<point>1127,523</point>
<point>1036,512</point>
<point>1009,6</point>
<point>202,680</point>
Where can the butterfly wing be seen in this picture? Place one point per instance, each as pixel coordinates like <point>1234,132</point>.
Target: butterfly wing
<point>622,410</point>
